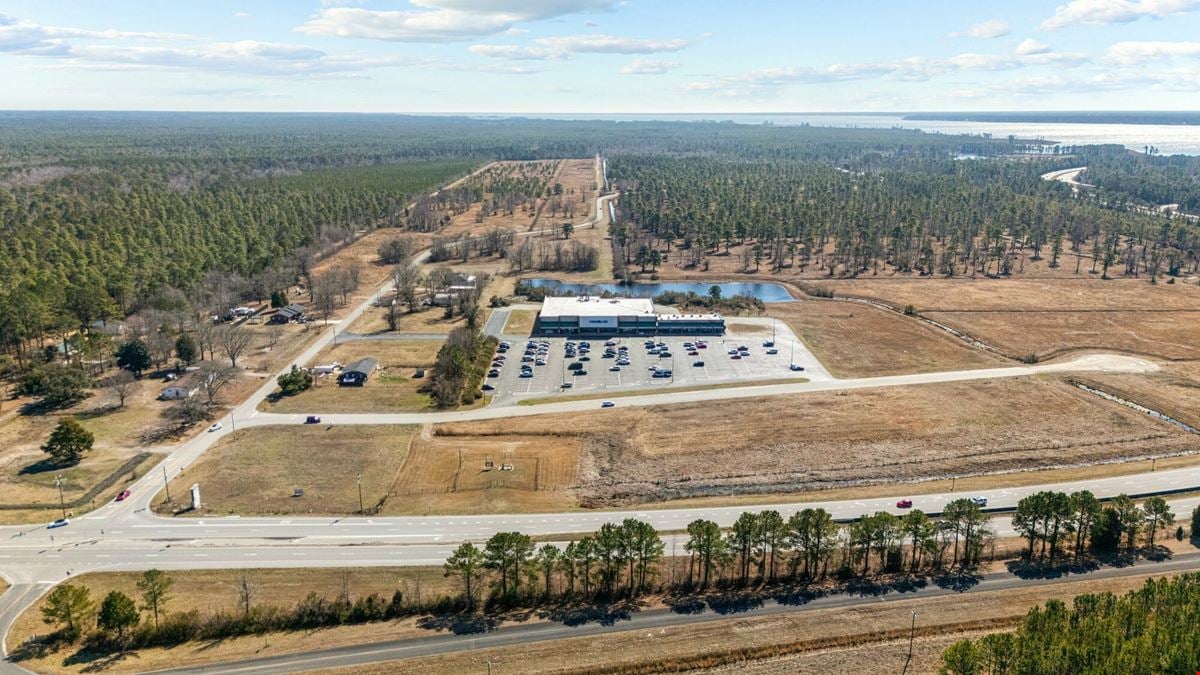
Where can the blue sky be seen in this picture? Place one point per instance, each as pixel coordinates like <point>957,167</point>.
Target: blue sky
<point>599,56</point>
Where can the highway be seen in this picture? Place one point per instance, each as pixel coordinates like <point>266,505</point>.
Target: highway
<point>129,536</point>
<point>658,620</point>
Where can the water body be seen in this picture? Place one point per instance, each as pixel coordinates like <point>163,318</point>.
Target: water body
<point>765,291</point>
<point>1168,138</point>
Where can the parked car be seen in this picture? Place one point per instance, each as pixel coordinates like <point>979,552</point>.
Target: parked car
<point>698,364</point>
<point>796,367</point>
<point>526,373</point>
<point>124,495</point>
<point>614,369</point>
<point>488,387</point>
<point>693,353</point>
<point>61,522</point>
<point>566,385</point>
<point>904,504</point>
<point>736,357</point>
<point>607,404</point>
<point>216,426</point>
<point>312,419</point>
<point>575,366</point>
<point>772,350</point>
<point>979,501</point>
<point>493,373</point>
<point>768,343</point>
<point>580,373</point>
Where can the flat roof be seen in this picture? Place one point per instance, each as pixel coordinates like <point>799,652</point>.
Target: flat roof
<point>689,317</point>
<point>592,306</point>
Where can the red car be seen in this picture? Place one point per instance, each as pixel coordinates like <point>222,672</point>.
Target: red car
<point>123,496</point>
<point>904,504</point>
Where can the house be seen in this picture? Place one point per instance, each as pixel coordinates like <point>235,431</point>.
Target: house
<point>181,388</point>
<point>356,374</point>
<point>326,368</point>
<point>288,314</point>
<point>456,281</point>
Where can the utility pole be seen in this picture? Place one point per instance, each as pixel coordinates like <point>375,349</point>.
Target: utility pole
<point>61,503</point>
<point>360,501</point>
<point>166,485</point>
<point>911,635</point>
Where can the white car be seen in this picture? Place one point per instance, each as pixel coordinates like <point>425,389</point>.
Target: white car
<point>215,427</point>
<point>607,404</point>
<point>979,501</point>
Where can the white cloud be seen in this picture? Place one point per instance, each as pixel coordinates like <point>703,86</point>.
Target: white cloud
<point>1105,12</point>
<point>561,47</point>
<point>1031,46</point>
<point>442,20</point>
<point>911,69</point>
<point>113,49</point>
<point>515,52</point>
<point>649,67</point>
<point>242,15</point>
<point>992,28</point>
<point>1134,53</point>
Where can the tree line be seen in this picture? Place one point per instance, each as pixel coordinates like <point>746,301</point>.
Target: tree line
<point>913,214</point>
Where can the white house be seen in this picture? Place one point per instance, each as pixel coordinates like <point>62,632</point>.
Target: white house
<point>184,387</point>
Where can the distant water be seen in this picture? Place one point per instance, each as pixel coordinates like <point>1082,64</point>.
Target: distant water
<point>765,291</point>
<point>1169,139</point>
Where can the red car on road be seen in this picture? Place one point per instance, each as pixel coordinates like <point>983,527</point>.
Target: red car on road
<point>904,504</point>
<point>123,496</point>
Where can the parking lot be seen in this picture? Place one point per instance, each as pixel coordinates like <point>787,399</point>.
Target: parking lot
<point>625,364</point>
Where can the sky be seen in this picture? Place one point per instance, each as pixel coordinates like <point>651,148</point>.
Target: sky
<point>599,56</point>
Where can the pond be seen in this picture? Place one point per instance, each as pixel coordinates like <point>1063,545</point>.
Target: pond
<point>763,290</point>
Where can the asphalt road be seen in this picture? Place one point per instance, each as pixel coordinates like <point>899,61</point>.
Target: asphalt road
<point>128,535</point>
<point>658,620</point>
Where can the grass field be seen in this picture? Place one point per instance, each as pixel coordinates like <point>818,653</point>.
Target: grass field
<point>254,471</point>
<point>217,590</point>
<point>809,442</point>
<point>448,475</point>
<point>670,390</point>
<point>520,322</point>
<point>856,340</point>
<point>391,388</point>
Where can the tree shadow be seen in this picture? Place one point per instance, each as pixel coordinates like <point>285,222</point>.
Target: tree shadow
<point>43,466</point>
<point>959,582</point>
<point>99,411</point>
<point>686,605</point>
<point>1158,553</point>
<point>798,596</point>
<point>604,614</point>
<point>734,602</point>
<point>460,624</point>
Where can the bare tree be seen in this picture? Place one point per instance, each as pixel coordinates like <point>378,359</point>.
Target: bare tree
<point>246,592</point>
<point>233,341</point>
<point>161,346</point>
<point>406,277</point>
<point>214,376</point>
<point>121,385</point>
<point>274,331</point>
<point>206,337</point>
<point>324,296</point>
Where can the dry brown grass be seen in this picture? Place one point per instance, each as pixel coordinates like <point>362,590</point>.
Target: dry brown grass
<point>520,322</point>
<point>807,442</point>
<point>448,475</point>
<point>217,590</point>
<point>254,471</point>
<point>391,388</point>
<point>856,340</point>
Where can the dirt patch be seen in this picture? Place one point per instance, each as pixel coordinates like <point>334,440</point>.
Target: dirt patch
<point>255,471</point>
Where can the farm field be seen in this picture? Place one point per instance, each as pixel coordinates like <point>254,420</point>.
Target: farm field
<point>391,388</point>
<point>255,471</point>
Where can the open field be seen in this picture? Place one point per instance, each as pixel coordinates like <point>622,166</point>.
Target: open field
<point>217,590</point>
<point>1173,391</point>
<point>254,471</point>
<point>27,478</point>
<point>1046,317</point>
<point>810,442</point>
<point>673,390</point>
<point>868,638</point>
<point>576,177</point>
<point>857,340</point>
<point>391,388</point>
<point>448,475</point>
